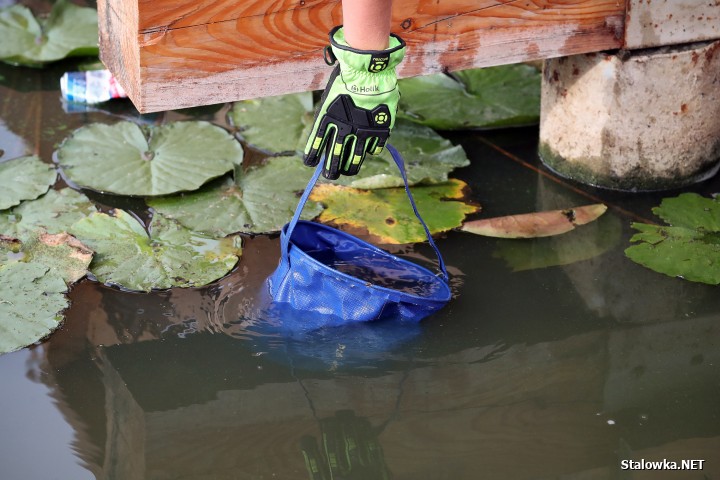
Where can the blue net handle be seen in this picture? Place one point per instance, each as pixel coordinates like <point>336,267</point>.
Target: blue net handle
<point>311,184</point>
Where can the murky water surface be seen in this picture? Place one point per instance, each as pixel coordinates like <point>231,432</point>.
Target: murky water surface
<point>556,359</point>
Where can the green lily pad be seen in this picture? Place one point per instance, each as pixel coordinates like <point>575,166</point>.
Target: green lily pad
<point>260,200</point>
<point>69,30</point>
<point>24,178</point>
<point>31,303</point>
<point>63,254</point>
<point>54,212</point>
<point>170,256</point>
<point>386,213</point>
<point>127,159</point>
<point>502,96</point>
<point>281,125</point>
<point>690,247</point>
<point>429,158</point>
<point>274,124</point>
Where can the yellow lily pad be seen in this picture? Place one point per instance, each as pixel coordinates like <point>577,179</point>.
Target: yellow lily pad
<point>386,213</point>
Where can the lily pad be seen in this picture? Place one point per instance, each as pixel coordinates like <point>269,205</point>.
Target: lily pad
<point>170,256</point>
<point>502,96</point>
<point>31,303</point>
<point>386,213</point>
<point>538,224</point>
<point>690,247</point>
<point>274,124</point>
<point>260,200</point>
<point>24,178</point>
<point>429,158</point>
<point>63,254</point>
<point>54,212</point>
<point>69,30</point>
<point>281,125</point>
<point>127,159</point>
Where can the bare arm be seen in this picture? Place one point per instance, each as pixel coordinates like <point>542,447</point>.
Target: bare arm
<point>366,23</point>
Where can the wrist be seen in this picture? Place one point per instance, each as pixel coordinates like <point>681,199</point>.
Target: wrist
<point>370,61</point>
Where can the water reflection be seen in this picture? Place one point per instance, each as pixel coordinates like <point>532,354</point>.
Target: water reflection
<point>349,448</point>
<point>11,144</point>
<point>151,399</point>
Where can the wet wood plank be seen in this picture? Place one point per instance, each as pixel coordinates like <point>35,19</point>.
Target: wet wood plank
<point>179,54</point>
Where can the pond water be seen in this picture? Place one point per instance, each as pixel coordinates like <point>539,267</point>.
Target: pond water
<point>556,359</point>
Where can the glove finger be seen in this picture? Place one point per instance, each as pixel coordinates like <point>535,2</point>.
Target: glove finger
<point>334,447</point>
<point>348,154</point>
<point>352,166</point>
<point>314,461</point>
<point>337,151</point>
<point>378,145</point>
<point>316,144</point>
<point>333,159</point>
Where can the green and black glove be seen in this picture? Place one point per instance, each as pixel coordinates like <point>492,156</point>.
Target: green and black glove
<point>349,450</point>
<point>357,109</point>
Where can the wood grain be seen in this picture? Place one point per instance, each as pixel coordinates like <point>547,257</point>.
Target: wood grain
<point>179,54</point>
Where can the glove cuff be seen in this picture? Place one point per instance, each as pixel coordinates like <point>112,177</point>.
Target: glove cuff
<point>373,61</point>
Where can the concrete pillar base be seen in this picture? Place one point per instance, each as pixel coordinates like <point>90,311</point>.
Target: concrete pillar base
<point>642,120</point>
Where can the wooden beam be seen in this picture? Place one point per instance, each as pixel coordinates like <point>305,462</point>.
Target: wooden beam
<point>174,54</point>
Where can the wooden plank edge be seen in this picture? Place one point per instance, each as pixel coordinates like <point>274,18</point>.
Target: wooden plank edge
<point>168,89</point>
<point>118,49</point>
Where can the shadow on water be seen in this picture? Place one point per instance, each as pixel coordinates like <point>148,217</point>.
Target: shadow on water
<point>556,359</point>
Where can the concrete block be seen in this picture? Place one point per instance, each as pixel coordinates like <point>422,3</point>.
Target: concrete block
<point>641,120</point>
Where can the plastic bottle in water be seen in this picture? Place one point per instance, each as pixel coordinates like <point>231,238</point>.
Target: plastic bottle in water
<point>94,86</point>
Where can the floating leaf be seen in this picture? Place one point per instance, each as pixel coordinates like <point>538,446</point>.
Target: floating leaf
<point>480,98</point>
<point>69,30</point>
<point>387,214</point>
<point>63,254</point>
<point>575,246</point>
<point>261,200</point>
<point>55,212</point>
<point>538,224</point>
<point>274,124</point>
<point>170,256</point>
<point>31,302</point>
<point>24,178</point>
<point>129,160</point>
<point>690,248</point>
<point>282,124</point>
<point>429,158</point>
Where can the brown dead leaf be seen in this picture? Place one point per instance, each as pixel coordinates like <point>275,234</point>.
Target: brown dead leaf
<point>538,224</point>
<point>78,250</point>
